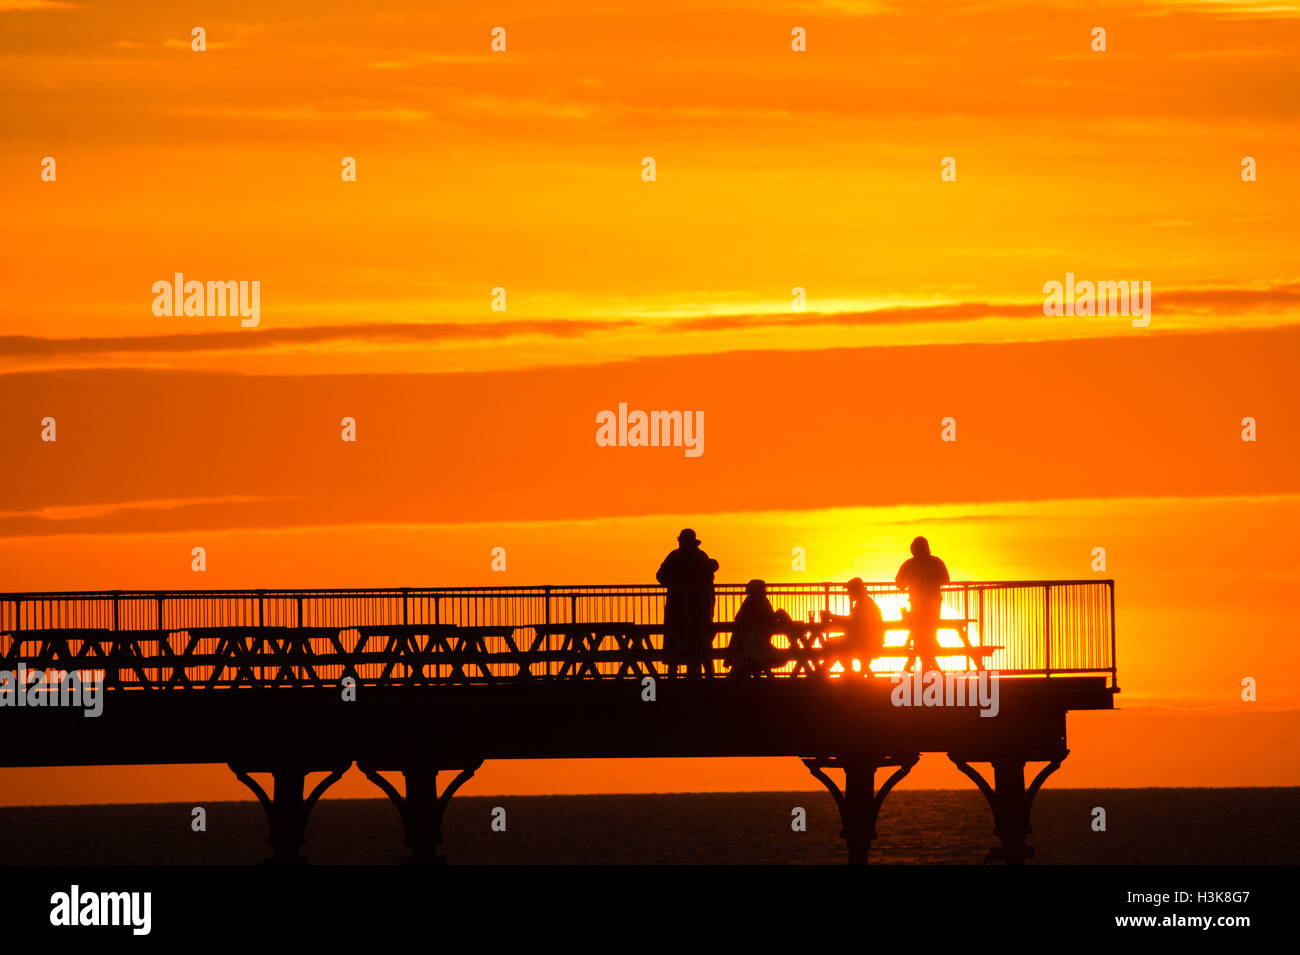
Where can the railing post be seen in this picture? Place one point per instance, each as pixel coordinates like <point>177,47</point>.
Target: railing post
<point>1114,666</point>
<point>300,610</point>
<point>116,595</point>
<point>1047,630</point>
<point>405,595</point>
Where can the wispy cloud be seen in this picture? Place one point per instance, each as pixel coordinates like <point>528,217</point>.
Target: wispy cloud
<point>1284,296</point>
<point>15,6</point>
<point>79,513</point>
<point>86,515</point>
<point>392,333</point>
<point>1236,9</point>
<point>1207,299</point>
<point>314,113</point>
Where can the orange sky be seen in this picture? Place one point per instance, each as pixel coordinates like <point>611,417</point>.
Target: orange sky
<point>775,170</point>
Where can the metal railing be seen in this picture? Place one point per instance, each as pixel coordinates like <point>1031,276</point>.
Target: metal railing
<point>190,639</point>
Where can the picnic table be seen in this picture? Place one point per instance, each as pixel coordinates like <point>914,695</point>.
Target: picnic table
<point>455,645</point>
<point>814,638</point>
<point>581,646</point>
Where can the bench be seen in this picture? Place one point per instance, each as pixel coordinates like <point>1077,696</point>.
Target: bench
<point>960,624</point>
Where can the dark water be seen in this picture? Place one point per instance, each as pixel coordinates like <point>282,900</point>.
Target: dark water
<point>1144,826</point>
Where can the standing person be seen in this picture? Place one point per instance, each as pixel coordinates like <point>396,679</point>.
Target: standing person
<point>923,577</point>
<point>688,572</point>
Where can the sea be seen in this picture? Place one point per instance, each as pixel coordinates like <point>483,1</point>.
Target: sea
<point>1249,826</point>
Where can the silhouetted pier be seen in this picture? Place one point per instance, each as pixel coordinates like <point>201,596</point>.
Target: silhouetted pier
<point>427,681</point>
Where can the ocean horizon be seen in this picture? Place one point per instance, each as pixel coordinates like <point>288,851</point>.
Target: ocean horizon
<point>1150,826</point>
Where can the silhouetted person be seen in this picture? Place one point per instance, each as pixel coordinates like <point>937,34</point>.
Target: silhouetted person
<point>923,577</point>
<point>688,573</point>
<point>864,629</point>
<point>750,652</point>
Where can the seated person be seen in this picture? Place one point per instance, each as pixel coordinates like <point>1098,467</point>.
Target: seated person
<point>864,630</point>
<point>750,652</point>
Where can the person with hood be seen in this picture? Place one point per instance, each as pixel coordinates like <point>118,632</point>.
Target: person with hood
<point>750,652</point>
<point>688,572</point>
<point>923,577</point>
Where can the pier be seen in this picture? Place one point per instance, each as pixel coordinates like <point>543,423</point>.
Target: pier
<point>420,689</point>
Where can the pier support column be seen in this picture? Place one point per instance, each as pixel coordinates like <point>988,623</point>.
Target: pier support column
<point>422,808</point>
<point>858,802</point>
<point>287,809</point>
<point>1011,803</point>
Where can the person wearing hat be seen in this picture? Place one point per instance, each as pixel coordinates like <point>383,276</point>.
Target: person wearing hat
<point>864,629</point>
<point>688,572</point>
